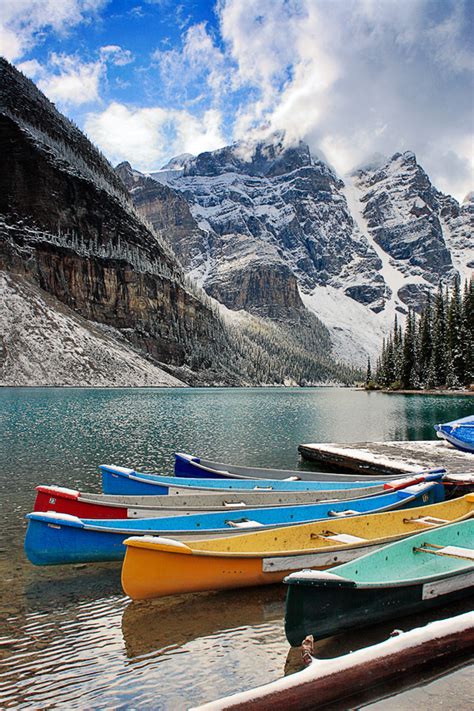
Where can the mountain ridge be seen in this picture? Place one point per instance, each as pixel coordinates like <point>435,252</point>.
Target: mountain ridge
<point>379,238</point>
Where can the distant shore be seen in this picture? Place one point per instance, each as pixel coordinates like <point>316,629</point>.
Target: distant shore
<point>451,393</point>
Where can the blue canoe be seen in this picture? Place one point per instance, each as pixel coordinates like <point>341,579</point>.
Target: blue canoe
<point>54,538</point>
<point>187,465</point>
<point>122,481</point>
<point>460,433</point>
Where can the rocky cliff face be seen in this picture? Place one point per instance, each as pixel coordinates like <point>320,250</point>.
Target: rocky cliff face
<point>68,224</point>
<point>276,231</point>
<point>89,274</point>
<point>273,210</point>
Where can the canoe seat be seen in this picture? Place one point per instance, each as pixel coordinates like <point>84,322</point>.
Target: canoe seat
<point>341,514</point>
<point>450,551</point>
<point>244,523</point>
<point>339,537</point>
<point>426,520</point>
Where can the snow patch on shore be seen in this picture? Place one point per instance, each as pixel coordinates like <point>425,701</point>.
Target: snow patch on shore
<point>43,342</point>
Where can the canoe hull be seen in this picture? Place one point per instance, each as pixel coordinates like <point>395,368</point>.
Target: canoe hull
<point>149,572</point>
<point>107,506</point>
<point>187,465</point>
<point>54,538</point>
<point>449,436</point>
<point>326,611</point>
<point>127,482</point>
<point>71,504</point>
<point>56,544</point>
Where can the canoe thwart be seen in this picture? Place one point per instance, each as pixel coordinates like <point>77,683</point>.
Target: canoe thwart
<point>341,514</point>
<point>426,520</point>
<point>244,523</point>
<point>338,537</point>
<point>449,551</point>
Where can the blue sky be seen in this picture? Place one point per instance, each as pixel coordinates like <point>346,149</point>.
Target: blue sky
<point>149,79</point>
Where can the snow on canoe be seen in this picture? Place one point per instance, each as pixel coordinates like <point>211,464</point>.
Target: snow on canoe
<point>331,680</point>
<point>460,433</point>
<point>53,538</point>
<point>119,480</point>
<point>426,570</point>
<point>155,567</point>
<point>91,505</point>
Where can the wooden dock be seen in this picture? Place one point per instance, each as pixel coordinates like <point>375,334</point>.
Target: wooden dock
<point>385,458</point>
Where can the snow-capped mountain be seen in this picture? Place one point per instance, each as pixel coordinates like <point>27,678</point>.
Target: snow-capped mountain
<point>276,228</point>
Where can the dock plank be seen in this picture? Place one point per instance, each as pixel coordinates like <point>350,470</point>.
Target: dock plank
<point>379,458</point>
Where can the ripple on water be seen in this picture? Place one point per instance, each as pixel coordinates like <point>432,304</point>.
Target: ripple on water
<point>69,637</point>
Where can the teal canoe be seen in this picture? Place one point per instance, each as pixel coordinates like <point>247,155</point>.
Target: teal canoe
<point>423,571</point>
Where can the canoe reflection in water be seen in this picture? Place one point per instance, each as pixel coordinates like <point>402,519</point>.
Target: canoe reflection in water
<point>156,625</point>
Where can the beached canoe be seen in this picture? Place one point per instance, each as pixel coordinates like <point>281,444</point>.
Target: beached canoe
<point>187,465</point>
<point>91,505</point>
<point>128,482</point>
<point>155,567</point>
<point>53,538</point>
<point>459,433</point>
<point>423,571</point>
<point>331,681</point>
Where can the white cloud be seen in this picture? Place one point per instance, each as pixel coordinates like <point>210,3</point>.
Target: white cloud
<point>115,54</point>
<point>72,82</point>
<point>22,20</point>
<point>147,137</point>
<point>358,76</point>
<point>66,79</point>
<point>198,64</point>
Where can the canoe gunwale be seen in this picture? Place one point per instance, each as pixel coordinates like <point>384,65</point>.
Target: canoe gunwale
<point>225,470</point>
<point>212,531</point>
<point>385,585</point>
<point>138,542</point>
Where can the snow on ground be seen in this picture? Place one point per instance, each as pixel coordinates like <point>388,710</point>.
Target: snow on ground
<point>43,342</point>
<point>356,331</point>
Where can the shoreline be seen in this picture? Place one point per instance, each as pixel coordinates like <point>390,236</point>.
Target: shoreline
<point>449,393</point>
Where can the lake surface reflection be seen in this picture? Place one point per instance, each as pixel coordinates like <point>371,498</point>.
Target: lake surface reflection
<point>68,636</point>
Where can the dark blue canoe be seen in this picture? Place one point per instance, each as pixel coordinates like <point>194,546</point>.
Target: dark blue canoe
<point>187,465</point>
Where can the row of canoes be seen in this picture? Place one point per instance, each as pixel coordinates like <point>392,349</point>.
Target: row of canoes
<point>57,534</point>
<point>190,537</point>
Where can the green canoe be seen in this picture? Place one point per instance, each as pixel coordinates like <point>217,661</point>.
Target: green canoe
<point>422,571</point>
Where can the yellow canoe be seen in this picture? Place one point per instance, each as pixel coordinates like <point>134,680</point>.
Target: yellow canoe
<point>154,567</point>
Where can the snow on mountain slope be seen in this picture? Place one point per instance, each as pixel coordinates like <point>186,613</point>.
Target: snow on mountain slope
<point>356,331</point>
<point>275,209</point>
<point>43,341</point>
<point>272,219</point>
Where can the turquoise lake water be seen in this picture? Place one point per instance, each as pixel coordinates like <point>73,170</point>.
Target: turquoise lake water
<point>68,636</point>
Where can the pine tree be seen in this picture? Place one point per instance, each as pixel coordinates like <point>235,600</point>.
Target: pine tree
<point>454,326</point>
<point>368,376</point>
<point>439,339</point>
<point>425,342</point>
<point>408,359</point>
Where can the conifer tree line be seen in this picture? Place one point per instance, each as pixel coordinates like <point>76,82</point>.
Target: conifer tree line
<point>435,348</point>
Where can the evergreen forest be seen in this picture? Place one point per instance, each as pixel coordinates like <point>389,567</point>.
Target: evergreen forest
<point>434,349</point>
